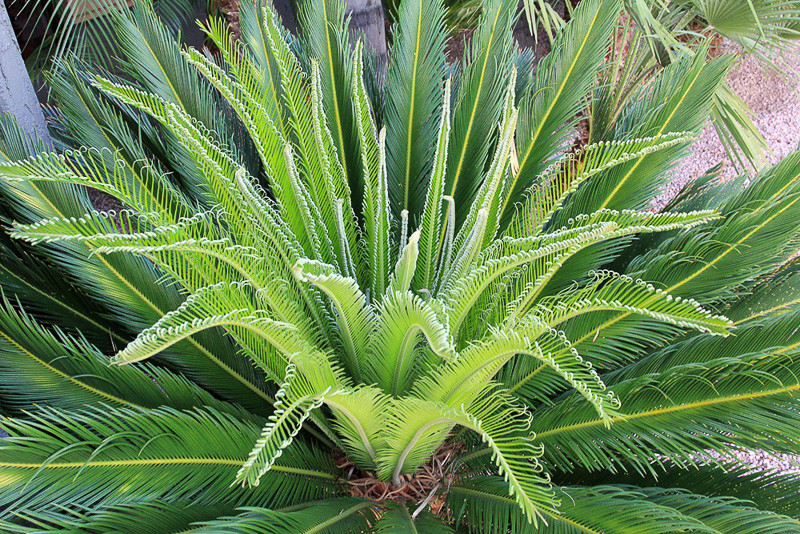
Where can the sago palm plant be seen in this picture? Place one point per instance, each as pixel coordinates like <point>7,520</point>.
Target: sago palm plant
<point>389,304</point>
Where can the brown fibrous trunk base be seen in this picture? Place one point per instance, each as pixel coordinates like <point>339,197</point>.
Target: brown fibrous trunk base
<point>429,484</point>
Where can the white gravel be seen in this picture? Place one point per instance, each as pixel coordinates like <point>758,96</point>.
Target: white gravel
<point>774,98</point>
<point>757,460</point>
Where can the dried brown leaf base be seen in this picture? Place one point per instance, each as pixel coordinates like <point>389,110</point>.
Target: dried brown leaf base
<point>427,487</point>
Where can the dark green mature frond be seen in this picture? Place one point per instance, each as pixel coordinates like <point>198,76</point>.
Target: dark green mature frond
<point>776,334</point>
<point>760,220</point>
<point>767,489</point>
<point>478,103</point>
<point>554,103</point>
<point>676,101</point>
<point>154,60</point>
<point>333,515</point>
<point>75,374</point>
<point>674,413</point>
<point>26,277</point>
<point>773,294</point>
<point>400,520</point>
<point>414,93</point>
<point>587,510</point>
<point>137,518</point>
<point>106,457</point>
<point>722,514</point>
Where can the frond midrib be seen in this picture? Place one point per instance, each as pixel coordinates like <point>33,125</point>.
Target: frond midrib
<point>65,376</point>
<point>550,110</point>
<point>666,124</point>
<point>670,409</point>
<point>231,462</point>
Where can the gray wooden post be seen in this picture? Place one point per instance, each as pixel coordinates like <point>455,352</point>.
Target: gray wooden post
<point>17,96</point>
<point>367,20</point>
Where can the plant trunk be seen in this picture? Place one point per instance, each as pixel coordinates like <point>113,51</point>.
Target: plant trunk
<point>367,21</point>
<point>17,96</point>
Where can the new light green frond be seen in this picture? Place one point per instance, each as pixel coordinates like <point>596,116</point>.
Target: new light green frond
<point>609,291</point>
<point>501,427</point>
<point>463,380</point>
<point>182,249</point>
<point>516,456</point>
<point>267,132</point>
<point>394,353</point>
<point>143,189</point>
<point>359,416</point>
<point>263,73</point>
<point>354,316</point>
<point>406,264</point>
<point>241,93</point>
<point>563,178</point>
<point>312,141</point>
<point>544,254</point>
<point>377,217</point>
<point>349,243</point>
<point>223,304</point>
<point>432,213</point>
<point>325,31</point>
<point>470,249</point>
<point>512,255</point>
<point>294,402</point>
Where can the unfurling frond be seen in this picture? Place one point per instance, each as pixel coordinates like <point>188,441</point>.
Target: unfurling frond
<point>394,354</point>
<point>294,402</point>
